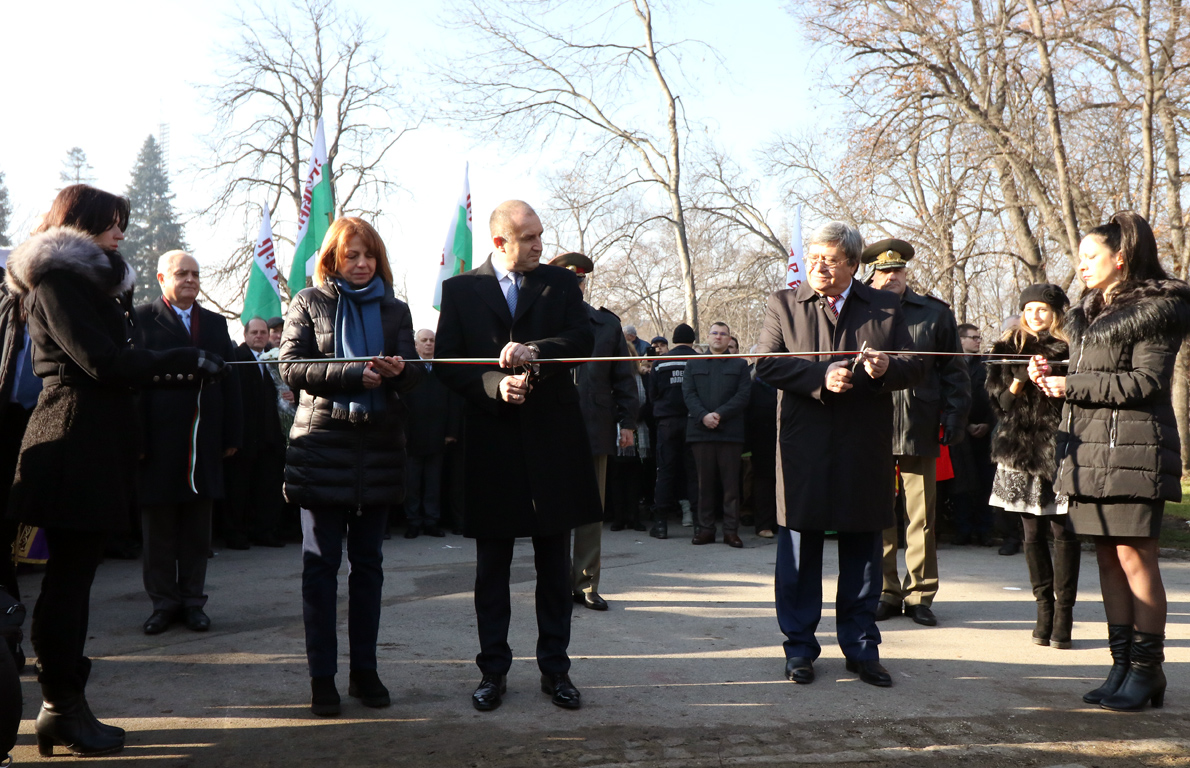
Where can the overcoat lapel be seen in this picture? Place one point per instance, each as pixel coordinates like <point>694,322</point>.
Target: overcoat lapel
<point>531,287</point>
<point>169,320</point>
<point>489,291</point>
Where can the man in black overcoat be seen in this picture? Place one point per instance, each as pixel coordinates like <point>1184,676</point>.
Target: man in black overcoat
<point>255,473</point>
<point>607,393</point>
<point>529,469</point>
<point>834,456</point>
<point>433,424</point>
<point>181,473</point>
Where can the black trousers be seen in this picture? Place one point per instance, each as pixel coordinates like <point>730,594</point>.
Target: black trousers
<point>676,475</point>
<point>253,501</point>
<point>12,432</point>
<point>423,488</point>
<point>493,604</point>
<point>62,613</point>
<point>177,538</point>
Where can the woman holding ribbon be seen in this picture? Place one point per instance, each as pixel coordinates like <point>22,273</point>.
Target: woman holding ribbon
<point>1118,450</point>
<point>345,465</point>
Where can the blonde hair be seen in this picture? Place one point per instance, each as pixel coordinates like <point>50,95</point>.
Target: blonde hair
<point>1019,334</point>
<point>341,231</point>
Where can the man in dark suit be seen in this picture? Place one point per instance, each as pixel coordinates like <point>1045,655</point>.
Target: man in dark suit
<point>255,473</point>
<point>835,460</point>
<point>432,425</point>
<point>181,473</point>
<point>529,469</point>
<point>607,393</point>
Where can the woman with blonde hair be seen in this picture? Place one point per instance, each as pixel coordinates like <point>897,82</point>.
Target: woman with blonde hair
<point>1023,446</point>
<point>345,466</point>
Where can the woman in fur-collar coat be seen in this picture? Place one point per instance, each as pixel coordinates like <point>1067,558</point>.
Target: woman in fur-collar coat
<point>77,466</point>
<point>1118,451</point>
<point>1023,449</point>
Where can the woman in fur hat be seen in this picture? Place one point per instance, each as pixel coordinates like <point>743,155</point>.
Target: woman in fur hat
<point>1118,451</point>
<point>77,293</point>
<point>1023,449</point>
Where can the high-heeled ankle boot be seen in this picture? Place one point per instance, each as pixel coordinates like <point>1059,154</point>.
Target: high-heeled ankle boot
<point>83,670</point>
<point>1119,639</point>
<point>67,723</point>
<point>1067,563</point>
<point>1041,576</point>
<point>1146,678</point>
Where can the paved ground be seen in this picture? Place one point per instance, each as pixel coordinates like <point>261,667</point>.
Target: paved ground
<point>684,670</point>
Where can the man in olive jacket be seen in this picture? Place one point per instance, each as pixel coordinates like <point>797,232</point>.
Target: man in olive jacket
<point>528,461</point>
<point>607,394</point>
<point>835,461</point>
<point>941,399</point>
<point>716,393</point>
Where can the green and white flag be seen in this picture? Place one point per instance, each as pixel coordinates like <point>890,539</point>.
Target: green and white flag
<point>456,254</point>
<point>263,298</point>
<point>315,215</point>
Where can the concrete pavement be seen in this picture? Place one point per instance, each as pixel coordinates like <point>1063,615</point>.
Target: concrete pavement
<point>686,669</point>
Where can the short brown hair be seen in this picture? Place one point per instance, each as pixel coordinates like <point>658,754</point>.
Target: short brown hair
<point>84,207</point>
<point>341,231</point>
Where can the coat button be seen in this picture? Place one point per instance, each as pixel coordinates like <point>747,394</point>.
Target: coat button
<point>156,379</point>
<point>190,377</point>
<point>169,377</point>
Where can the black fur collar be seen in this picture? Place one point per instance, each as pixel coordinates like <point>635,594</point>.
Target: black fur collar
<point>1140,309</point>
<point>70,249</point>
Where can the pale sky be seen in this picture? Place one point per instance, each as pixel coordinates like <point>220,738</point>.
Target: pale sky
<point>103,76</point>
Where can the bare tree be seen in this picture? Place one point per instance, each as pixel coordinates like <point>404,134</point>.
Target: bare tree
<point>549,68</point>
<point>76,168</point>
<point>288,67</point>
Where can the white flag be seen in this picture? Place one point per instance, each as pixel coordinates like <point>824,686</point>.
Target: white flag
<point>795,270</point>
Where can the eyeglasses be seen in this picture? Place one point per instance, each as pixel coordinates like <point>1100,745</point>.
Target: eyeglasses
<point>976,338</point>
<point>831,265</point>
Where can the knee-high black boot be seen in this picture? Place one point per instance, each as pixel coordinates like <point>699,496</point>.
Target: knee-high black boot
<point>1041,575</point>
<point>1119,639</point>
<point>1067,562</point>
<point>1145,680</point>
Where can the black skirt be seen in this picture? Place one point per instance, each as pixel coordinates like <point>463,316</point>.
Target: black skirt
<point>1117,517</point>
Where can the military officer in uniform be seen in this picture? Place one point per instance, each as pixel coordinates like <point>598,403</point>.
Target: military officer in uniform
<point>941,399</point>
<point>607,394</point>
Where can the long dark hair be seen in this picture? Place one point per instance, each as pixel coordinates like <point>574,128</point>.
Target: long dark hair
<point>84,207</point>
<point>1128,233</point>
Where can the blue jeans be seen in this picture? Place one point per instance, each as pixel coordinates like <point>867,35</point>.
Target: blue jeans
<point>322,552</point>
<point>799,592</point>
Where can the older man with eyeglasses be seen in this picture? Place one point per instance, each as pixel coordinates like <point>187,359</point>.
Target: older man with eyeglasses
<point>835,460</point>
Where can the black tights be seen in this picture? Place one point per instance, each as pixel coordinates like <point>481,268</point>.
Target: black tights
<point>1059,525</point>
<point>61,614</point>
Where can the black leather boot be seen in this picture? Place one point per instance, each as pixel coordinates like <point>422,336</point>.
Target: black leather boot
<point>1067,563</point>
<point>1145,680</point>
<point>83,669</point>
<point>1119,639</point>
<point>68,723</point>
<point>1041,576</point>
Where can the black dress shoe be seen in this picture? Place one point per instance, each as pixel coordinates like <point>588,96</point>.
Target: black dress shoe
<point>618,525</point>
<point>561,690</point>
<point>799,669</point>
<point>268,541</point>
<point>412,532</point>
<point>922,615</point>
<point>365,685</point>
<point>487,695</point>
<point>159,622</point>
<point>324,698</point>
<point>591,599</point>
<point>871,672</point>
<point>639,526</point>
<point>195,619</point>
<point>887,610</point>
<point>660,530</point>
<point>433,530</point>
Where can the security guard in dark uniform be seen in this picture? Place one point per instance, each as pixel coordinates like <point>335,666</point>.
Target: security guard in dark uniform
<point>941,399</point>
<point>608,396</point>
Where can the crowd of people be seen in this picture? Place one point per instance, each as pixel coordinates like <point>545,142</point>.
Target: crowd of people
<point>337,418</point>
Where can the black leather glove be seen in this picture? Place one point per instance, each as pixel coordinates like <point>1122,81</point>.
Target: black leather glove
<point>952,433</point>
<point>210,366</point>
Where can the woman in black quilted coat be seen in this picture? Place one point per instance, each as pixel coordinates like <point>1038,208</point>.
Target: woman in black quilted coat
<point>345,466</point>
<point>1023,449</point>
<point>1118,451</point>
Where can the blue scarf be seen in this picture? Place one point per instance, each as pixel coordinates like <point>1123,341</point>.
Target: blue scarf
<point>359,333</point>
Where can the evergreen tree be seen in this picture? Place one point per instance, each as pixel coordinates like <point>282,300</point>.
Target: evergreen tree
<point>5,213</point>
<point>78,170</point>
<point>153,227</point>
